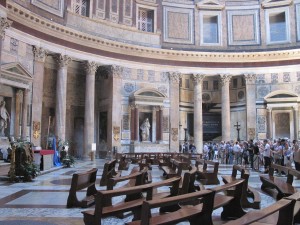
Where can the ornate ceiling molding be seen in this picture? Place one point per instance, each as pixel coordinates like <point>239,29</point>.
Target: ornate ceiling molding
<point>69,35</point>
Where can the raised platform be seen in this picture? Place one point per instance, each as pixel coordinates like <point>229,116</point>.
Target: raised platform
<point>145,147</point>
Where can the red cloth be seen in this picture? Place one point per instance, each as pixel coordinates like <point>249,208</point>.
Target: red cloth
<point>45,152</point>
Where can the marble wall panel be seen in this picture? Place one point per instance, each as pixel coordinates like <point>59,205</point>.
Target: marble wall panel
<point>53,6</point>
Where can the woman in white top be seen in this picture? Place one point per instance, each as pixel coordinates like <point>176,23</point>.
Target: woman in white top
<point>266,154</point>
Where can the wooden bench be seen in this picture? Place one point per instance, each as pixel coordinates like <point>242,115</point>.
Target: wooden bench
<point>174,168</point>
<point>187,183</point>
<point>248,192</point>
<point>103,198</point>
<point>123,163</point>
<point>109,171</point>
<point>282,187</point>
<point>207,171</point>
<point>200,210</point>
<point>79,182</point>
<point>284,207</point>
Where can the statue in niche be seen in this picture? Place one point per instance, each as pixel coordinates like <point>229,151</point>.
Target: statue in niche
<point>145,130</point>
<point>4,118</point>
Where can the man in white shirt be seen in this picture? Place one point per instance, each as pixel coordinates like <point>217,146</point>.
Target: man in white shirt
<point>266,154</point>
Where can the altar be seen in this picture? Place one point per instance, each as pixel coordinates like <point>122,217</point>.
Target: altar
<point>148,147</point>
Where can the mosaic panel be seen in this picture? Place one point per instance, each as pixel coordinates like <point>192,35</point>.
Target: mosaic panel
<point>164,77</point>
<point>129,88</point>
<point>286,77</point>
<point>126,73</point>
<point>274,78</point>
<point>140,74</point>
<point>165,123</point>
<point>260,79</point>
<point>262,91</point>
<point>151,75</point>
<point>126,122</point>
<point>261,123</point>
<point>53,6</point>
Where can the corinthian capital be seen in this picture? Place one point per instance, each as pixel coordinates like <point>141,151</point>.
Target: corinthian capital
<point>63,60</point>
<point>175,77</point>
<point>91,67</point>
<point>4,24</point>
<point>39,54</point>
<point>225,78</point>
<point>198,78</point>
<point>250,78</point>
<point>117,71</point>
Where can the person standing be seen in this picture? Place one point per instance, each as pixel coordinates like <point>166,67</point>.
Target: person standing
<point>266,154</point>
<point>251,152</point>
<point>296,151</point>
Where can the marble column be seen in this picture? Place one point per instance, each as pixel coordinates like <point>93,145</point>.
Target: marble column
<point>174,111</point>
<point>61,96</point>
<point>270,123</point>
<point>225,80</point>
<point>24,114</point>
<point>198,118</point>
<point>19,95</point>
<point>37,95</point>
<point>161,114</point>
<point>250,105</point>
<point>114,137</point>
<point>89,109</point>
<point>296,122</point>
<point>4,24</point>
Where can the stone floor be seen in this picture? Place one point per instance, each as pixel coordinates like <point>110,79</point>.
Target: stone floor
<point>43,201</point>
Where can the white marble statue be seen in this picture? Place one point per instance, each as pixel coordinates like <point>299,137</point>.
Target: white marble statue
<point>4,118</point>
<point>145,130</point>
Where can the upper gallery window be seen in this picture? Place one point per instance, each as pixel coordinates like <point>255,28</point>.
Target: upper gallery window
<point>146,20</point>
<point>81,7</point>
<point>210,28</point>
<point>277,25</point>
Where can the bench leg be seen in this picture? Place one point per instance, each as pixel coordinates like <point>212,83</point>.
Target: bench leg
<point>233,210</point>
<point>201,220</point>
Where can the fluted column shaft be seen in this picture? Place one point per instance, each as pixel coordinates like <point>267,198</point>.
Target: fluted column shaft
<point>89,108</point>
<point>37,95</point>
<point>296,122</point>
<point>225,80</point>
<point>198,118</point>
<point>24,114</point>
<point>250,105</point>
<point>270,123</point>
<point>174,112</point>
<point>19,95</point>
<point>61,96</point>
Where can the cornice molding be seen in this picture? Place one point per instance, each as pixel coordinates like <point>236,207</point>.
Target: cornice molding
<point>27,18</point>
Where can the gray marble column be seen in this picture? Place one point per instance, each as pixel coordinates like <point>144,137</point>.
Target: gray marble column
<point>61,96</point>
<point>198,118</point>
<point>37,95</point>
<point>24,114</point>
<point>225,81</point>
<point>296,122</point>
<point>250,105</point>
<point>270,123</point>
<point>4,24</point>
<point>89,109</point>
<point>174,111</point>
<point>19,95</point>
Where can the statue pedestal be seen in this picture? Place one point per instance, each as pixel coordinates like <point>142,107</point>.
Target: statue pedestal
<point>4,145</point>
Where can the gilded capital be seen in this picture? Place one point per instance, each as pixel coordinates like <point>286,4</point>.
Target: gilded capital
<point>198,78</point>
<point>91,67</point>
<point>225,79</point>
<point>4,24</point>
<point>117,71</point>
<point>39,54</point>
<point>175,77</point>
<point>62,60</point>
<point>250,78</point>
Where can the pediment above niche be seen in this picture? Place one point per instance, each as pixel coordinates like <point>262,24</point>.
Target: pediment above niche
<point>275,3</point>
<point>147,96</point>
<point>209,4</point>
<point>15,75</point>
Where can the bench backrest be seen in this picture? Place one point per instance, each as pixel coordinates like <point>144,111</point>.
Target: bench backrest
<point>188,181</point>
<point>206,197</point>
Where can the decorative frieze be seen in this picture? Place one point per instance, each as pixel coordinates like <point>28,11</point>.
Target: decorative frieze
<point>140,74</point>
<point>4,24</point>
<point>274,78</point>
<point>164,77</point>
<point>151,75</point>
<point>260,79</point>
<point>262,91</point>
<point>116,71</point>
<point>286,77</point>
<point>39,54</point>
<point>127,73</point>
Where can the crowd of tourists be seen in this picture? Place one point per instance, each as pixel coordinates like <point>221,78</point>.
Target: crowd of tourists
<point>254,154</point>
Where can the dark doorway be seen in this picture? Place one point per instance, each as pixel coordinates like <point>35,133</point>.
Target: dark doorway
<point>78,136</point>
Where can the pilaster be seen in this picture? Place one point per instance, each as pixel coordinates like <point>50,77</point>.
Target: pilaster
<point>37,95</point>
<point>24,114</point>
